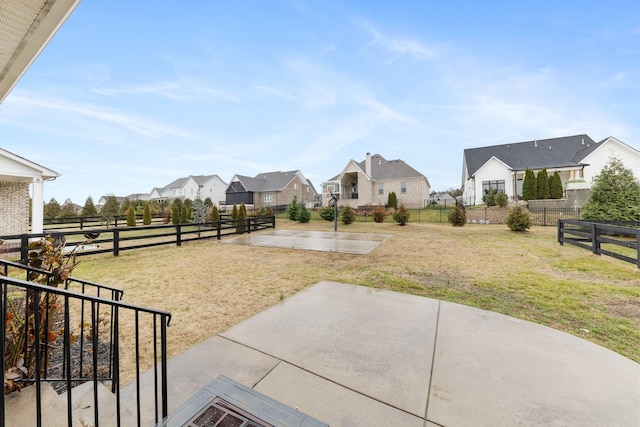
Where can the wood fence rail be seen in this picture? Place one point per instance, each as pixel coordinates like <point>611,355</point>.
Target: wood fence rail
<point>617,239</point>
<point>117,239</point>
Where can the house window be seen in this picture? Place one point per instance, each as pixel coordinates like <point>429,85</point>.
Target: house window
<point>268,198</point>
<point>295,185</point>
<point>380,188</point>
<point>403,187</point>
<point>307,188</point>
<point>497,185</point>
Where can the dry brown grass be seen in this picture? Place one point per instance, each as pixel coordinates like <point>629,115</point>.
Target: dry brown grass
<point>210,286</point>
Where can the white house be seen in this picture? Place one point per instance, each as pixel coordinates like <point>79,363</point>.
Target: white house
<point>17,175</point>
<point>192,187</point>
<point>576,158</point>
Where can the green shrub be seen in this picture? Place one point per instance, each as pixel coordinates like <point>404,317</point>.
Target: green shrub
<point>379,214</point>
<point>555,186</point>
<point>184,216</point>
<point>215,215</point>
<point>327,213</point>
<point>293,209</point>
<point>304,215</point>
<point>543,184</point>
<point>519,219</point>
<point>529,186</point>
<point>401,215</point>
<point>241,223</point>
<point>489,198</point>
<point>348,215</point>
<point>501,199</point>
<point>457,216</point>
<point>146,217</point>
<point>392,200</point>
<point>265,211</point>
<point>131,217</point>
<point>175,214</point>
<point>615,195</point>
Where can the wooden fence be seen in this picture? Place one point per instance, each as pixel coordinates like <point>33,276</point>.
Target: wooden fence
<point>617,239</point>
<point>117,239</point>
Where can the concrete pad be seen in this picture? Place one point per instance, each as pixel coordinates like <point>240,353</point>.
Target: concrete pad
<point>374,342</point>
<point>491,369</point>
<point>190,371</point>
<point>20,408</point>
<point>82,402</point>
<point>353,243</point>
<point>330,402</point>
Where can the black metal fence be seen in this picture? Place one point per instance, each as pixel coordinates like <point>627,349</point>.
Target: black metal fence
<point>540,216</point>
<point>117,239</point>
<point>91,355</point>
<point>617,239</point>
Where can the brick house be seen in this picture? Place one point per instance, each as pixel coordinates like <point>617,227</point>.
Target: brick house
<point>17,174</point>
<point>369,182</point>
<point>271,189</point>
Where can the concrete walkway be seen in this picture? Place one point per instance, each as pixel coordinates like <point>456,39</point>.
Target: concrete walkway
<point>356,356</point>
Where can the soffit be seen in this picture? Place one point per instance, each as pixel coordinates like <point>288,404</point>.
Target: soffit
<point>26,26</point>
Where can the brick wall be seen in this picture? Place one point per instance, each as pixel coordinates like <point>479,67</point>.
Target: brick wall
<point>14,208</point>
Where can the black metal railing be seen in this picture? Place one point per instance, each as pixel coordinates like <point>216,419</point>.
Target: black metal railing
<point>80,341</point>
<point>117,239</point>
<point>617,239</point>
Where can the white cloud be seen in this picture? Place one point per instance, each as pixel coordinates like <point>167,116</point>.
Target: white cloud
<point>31,107</point>
<point>174,90</point>
<point>399,46</point>
<point>274,92</point>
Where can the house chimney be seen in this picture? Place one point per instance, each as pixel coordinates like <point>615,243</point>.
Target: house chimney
<point>367,165</point>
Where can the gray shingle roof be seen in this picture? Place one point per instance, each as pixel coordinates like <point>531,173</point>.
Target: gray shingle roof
<point>537,154</point>
<point>269,181</point>
<point>389,169</point>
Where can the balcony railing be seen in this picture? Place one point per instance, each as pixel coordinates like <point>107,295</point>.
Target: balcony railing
<point>83,338</point>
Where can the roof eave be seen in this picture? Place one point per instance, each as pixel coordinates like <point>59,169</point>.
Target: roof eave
<point>38,36</point>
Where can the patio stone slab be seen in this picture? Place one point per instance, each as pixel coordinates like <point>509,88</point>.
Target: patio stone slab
<point>375,342</point>
<point>331,241</point>
<point>498,370</point>
<point>330,402</point>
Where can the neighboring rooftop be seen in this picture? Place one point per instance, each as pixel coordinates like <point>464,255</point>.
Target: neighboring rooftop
<point>550,153</point>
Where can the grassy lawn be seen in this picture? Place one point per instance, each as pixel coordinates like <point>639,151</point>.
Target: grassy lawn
<point>210,286</point>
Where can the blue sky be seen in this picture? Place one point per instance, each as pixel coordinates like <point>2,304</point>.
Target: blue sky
<point>130,95</point>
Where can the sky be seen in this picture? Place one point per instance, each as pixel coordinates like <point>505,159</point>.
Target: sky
<point>131,95</point>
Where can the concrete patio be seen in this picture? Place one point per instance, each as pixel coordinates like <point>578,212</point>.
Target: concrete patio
<point>357,356</point>
<point>327,241</point>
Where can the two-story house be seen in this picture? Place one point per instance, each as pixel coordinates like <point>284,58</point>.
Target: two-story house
<point>271,189</point>
<point>369,182</point>
<point>192,187</point>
